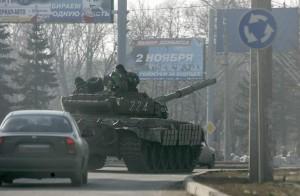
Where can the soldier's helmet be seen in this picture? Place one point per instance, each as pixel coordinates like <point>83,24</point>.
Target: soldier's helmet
<point>79,81</point>
<point>121,68</point>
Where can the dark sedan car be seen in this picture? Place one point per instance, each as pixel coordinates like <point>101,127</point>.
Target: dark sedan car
<point>42,144</point>
<point>207,157</point>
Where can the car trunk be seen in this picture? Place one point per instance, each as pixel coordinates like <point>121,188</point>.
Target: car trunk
<point>35,145</point>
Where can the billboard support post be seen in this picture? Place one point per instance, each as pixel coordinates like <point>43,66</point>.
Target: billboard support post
<point>122,31</point>
<point>227,102</point>
<point>210,70</point>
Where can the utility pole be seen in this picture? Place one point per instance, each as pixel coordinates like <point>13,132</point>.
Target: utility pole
<point>210,70</point>
<point>253,142</point>
<point>227,105</point>
<point>89,56</point>
<point>122,31</point>
<point>226,122</point>
<point>264,101</point>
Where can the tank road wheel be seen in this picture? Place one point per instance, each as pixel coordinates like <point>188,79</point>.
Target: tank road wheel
<point>164,158</point>
<point>179,157</point>
<point>155,157</point>
<point>172,158</point>
<point>188,159</point>
<point>147,151</point>
<point>142,156</point>
<point>132,151</point>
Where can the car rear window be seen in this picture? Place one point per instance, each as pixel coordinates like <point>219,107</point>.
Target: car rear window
<point>37,123</point>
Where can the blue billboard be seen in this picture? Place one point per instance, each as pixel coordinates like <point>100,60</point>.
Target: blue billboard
<point>56,11</point>
<point>167,59</point>
<point>287,20</point>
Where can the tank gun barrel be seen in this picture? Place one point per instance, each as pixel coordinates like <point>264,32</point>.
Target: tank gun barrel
<point>185,91</point>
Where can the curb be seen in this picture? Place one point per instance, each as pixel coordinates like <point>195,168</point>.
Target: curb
<point>197,189</point>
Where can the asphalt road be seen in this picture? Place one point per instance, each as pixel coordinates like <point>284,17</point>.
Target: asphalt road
<point>107,181</point>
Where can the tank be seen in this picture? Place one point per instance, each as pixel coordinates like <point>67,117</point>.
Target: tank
<point>135,127</point>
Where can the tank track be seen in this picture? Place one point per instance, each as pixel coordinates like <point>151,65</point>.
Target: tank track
<point>96,162</point>
<point>141,156</point>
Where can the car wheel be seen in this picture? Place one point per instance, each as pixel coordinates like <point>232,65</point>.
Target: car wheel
<point>78,178</point>
<point>85,176</point>
<point>0,182</point>
<point>212,163</point>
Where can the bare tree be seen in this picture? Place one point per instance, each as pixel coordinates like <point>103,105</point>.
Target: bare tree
<point>78,47</point>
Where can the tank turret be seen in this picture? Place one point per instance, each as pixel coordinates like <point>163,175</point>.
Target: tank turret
<point>133,104</point>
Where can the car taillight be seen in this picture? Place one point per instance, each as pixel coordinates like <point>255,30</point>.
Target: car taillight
<point>1,140</point>
<point>71,145</point>
<point>70,141</point>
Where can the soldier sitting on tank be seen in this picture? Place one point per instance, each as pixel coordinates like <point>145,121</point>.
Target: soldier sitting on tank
<point>80,86</point>
<point>94,85</point>
<point>133,81</point>
<point>118,80</point>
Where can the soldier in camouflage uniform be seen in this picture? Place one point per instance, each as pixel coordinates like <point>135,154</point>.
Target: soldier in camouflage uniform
<point>80,86</point>
<point>122,81</point>
<point>118,79</point>
<point>91,86</point>
<point>133,81</point>
<point>95,85</point>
